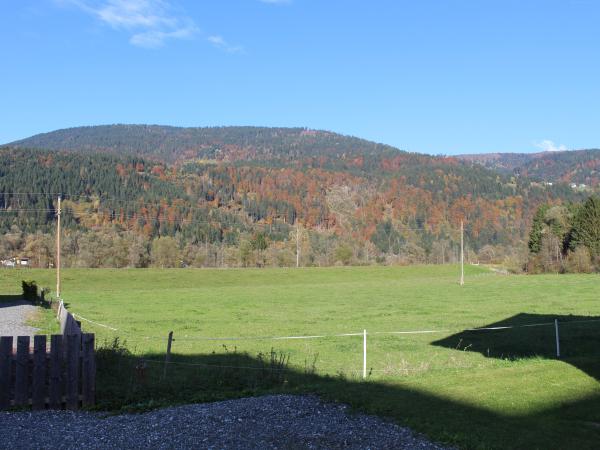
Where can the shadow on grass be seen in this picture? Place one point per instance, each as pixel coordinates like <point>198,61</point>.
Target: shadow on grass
<point>129,383</point>
<point>579,339</point>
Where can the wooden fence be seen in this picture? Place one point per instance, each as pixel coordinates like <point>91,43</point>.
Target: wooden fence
<point>68,324</point>
<point>61,375</point>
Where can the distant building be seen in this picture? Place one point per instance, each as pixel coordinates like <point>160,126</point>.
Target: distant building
<point>14,262</point>
<point>581,186</point>
<point>9,262</point>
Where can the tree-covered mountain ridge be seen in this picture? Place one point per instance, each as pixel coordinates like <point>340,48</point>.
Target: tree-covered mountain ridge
<point>242,192</point>
<point>178,144</point>
<point>580,167</point>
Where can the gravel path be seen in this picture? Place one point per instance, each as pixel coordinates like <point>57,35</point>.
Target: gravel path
<point>13,316</point>
<point>270,422</point>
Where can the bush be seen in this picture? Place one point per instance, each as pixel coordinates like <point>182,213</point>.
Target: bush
<point>343,254</point>
<point>30,290</point>
<point>514,264</point>
<point>579,261</point>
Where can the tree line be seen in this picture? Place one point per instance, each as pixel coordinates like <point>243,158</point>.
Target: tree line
<point>566,237</point>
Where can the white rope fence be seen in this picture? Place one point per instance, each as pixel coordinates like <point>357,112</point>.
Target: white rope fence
<point>364,334</point>
<point>324,336</point>
<point>95,323</point>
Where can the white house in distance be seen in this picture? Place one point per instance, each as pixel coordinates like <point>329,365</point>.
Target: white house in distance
<point>16,262</point>
<point>8,262</point>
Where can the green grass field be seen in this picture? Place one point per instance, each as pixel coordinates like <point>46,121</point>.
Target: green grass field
<point>499,388</point>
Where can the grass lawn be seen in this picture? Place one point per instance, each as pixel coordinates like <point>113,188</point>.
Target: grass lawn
<point>498,388</point>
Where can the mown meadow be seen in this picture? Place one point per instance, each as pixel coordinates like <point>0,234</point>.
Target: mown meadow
<point>476,389</point>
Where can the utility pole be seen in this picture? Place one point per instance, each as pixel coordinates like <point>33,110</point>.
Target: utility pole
<point>297,245</point>
<point>58,248</point>
<point>462,254</point>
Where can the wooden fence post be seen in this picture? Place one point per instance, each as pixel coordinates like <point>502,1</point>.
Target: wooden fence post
<point>168,355</point>
<point>22,371</point>
<point>88,372</point>
<point>6,349</point>
<point>73,352</point>
<point>557,338</point>
<point>56,370</point>
<point>38,390</point>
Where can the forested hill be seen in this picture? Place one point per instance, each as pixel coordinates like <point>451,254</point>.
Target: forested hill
<point>297,148</point>
<point>242,196</point>
<point>575,166</point>
<point>176,144</point>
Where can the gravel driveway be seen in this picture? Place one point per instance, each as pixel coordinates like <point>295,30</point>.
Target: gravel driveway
<point>270,422</point>
<point>13,316</point>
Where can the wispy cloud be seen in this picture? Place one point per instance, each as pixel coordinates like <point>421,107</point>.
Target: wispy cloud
<point>220,43</point>
<point>150,22</point>
<point>549,146</point>
<point>157,38</point>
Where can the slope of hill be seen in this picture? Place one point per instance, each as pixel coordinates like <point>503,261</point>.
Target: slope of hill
<point>505,163</point>
<point>233,195</point>
<point>296,148</point>
<point>576,166</point>
<point>176,144</point>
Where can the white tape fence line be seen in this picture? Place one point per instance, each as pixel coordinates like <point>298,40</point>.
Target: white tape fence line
<point>325,335</point>
<point>364,335</point>
<point>95,323</point>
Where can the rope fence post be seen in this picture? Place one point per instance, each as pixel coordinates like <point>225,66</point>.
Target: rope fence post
<point>364,375</point>
<point>557,338</point>
<point>168,355</point>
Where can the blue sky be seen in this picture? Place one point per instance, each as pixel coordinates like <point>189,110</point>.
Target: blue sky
<point>446,76</point>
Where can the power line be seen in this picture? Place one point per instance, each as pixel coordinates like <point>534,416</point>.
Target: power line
<point>161,208</point>
<point>161,219</point>
<point>34,193</point>
<point>113,215</point>
<point>26,210</point>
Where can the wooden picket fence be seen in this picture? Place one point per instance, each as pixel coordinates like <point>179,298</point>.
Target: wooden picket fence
<point>62,375</point>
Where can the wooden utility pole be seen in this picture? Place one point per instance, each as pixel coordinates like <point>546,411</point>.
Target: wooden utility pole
<point>58,248</point>
<point>462,254</point>
<point>297,245</point>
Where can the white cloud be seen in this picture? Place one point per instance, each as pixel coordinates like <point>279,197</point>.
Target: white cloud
<point>150,22</point>
<point>156,38</point>
<point>549,146</point>
<point>222,44</point>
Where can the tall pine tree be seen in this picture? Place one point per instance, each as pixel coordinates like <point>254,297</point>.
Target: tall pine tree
<point>586,227</point>
<point>537,229</point>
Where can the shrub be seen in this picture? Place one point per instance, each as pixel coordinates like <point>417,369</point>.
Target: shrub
<point>30,290</point>
<point>343,254</point>
<point>579,261</point>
